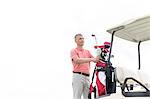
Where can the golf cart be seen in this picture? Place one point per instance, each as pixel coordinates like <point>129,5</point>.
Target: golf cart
<point>131,85</point>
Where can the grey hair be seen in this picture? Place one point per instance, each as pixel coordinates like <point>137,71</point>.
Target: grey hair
<point>79,34</point>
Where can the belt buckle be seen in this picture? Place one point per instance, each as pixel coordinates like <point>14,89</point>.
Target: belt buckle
<point>81,73</point>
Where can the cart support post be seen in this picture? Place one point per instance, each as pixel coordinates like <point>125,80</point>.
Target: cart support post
<point>112,38</point>
<point>139,57</point>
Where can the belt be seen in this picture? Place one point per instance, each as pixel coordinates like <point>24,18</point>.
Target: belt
<point>82,73</point>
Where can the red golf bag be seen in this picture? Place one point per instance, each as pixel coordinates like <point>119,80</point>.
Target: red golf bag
<point>105,83</point>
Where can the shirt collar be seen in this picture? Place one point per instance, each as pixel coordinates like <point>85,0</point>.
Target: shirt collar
<point>79,49</point>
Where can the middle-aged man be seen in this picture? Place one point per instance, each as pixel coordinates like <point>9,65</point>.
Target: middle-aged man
<point>81,59</point>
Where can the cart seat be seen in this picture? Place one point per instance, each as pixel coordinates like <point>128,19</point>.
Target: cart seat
<point>122,73</point>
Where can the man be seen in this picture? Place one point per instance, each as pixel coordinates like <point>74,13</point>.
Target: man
<point>81,59</point>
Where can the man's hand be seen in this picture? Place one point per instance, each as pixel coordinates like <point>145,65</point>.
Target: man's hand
<point>95,60</point>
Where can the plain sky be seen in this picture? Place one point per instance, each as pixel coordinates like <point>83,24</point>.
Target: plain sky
<point>36,37</point>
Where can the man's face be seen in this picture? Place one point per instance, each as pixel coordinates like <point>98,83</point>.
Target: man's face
<point>79,40</point>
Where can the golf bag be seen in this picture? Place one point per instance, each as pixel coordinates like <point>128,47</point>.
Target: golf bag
<point>105,74</point>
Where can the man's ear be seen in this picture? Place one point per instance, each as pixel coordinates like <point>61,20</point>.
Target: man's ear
<point>75,40</point>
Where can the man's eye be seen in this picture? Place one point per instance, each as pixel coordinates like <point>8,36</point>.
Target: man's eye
<point>81,38</point>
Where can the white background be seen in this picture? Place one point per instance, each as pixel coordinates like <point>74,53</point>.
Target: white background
<point>36,37</point>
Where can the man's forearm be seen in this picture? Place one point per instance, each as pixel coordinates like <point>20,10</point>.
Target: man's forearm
<point>83,60</point>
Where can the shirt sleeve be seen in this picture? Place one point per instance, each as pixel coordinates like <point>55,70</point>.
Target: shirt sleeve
<point>73,54</point>
<point>90,55</point>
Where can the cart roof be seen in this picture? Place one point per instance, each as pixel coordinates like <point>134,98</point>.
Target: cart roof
<point>134,30</point>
